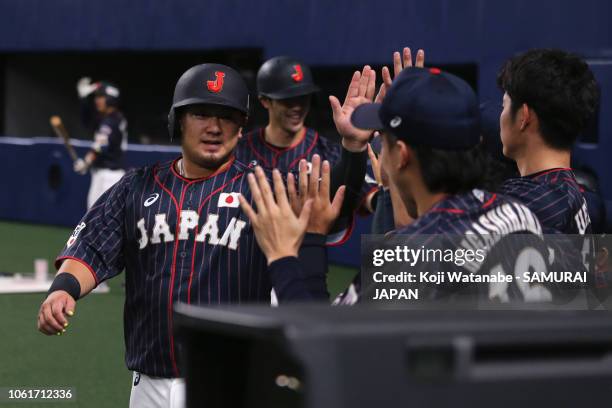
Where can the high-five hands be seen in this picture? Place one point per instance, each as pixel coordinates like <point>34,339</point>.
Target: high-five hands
<point>279,232</point>
<point>315,187</point>
<point>400,62</point>
<point>361,90</point>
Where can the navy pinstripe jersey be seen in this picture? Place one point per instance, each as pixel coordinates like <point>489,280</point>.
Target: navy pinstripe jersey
<point>253,149</point>
<point>110,141</point>
<point>207,255</point>
<point>554,196</point>
<point>477,216</point>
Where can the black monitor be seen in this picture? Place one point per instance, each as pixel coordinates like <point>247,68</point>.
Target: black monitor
<point>319,356</point>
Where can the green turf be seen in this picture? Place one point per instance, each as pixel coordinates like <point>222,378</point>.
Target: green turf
<point>89,357</point>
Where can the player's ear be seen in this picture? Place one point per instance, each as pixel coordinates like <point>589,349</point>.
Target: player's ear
<point>265,101</point>
<point>526,116</point>
<point>405,154</point>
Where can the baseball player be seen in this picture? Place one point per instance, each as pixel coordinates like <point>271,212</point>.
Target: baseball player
<point>285,87</point>
<point>178,231</point>
<point>105,159</point>
<point>549,97</point>
<point>430,129</point>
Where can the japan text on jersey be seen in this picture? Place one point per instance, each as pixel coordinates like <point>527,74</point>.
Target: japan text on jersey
<point>178,240</point>
<point>482,217</point>
<point>554,196</point>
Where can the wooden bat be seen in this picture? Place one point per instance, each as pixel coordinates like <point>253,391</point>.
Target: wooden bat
<point>61,132</point>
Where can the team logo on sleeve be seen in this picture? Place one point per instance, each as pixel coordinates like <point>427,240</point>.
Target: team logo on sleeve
<point>228,200</point>
<point>298,75</point>
<point>75,234</point>
<point>217,85</point>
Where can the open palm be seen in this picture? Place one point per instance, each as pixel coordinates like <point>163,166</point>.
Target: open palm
<point>360,90</point>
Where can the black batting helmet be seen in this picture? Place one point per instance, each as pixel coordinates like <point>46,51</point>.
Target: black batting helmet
<point>109,90</point>
<point>284,77</point>
<point>213,84</point>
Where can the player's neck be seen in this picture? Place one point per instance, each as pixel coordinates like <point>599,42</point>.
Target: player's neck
<point>420,195</point>
<point>426,200</point>
<point>191,170</point>
<point>279,137</point>
<point>540,158</point>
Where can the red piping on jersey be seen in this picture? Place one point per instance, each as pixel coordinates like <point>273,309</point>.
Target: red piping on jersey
<point>448,210</point>
<point>553,170</point>
<point>206,199</point>
<point>490,201</point>
<point>157,180</point>
<point>347,234</point>
<point>361,208</point>
<point>177,232</point>
<point>85,264</point>
<point>307,152</point>
<point>250,141</point>
<point>172,267</point>
<point>279,150</point>
<point>220,170</point>
<point>571,181</point>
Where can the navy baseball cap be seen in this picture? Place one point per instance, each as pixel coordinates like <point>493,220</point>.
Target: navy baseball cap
<point>426,107</point>
<point>490,130</point>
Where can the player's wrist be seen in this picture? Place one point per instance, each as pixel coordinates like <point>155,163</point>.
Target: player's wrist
<point>354,146</point>
<point>66,282</point>
<point>275,256</point>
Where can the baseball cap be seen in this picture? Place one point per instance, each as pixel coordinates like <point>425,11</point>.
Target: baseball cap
<point>426,107</point>
<point>490,130</point>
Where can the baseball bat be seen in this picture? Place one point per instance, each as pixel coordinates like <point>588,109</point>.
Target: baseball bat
<point>61,132</point>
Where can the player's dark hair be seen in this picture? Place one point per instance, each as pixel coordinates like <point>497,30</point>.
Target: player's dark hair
<point>558,86</point>
<point>449,171</point>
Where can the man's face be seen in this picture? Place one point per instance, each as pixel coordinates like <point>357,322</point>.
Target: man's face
<point>391,162</point>
<point>389,157</point>
<point>209,134</point>
<point>288,114</point>
<point>511,136</point>
<point>100,102</point>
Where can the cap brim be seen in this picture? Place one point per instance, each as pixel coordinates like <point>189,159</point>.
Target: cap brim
<point>367,117</point>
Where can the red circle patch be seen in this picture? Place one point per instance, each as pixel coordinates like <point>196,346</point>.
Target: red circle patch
<point>435,71</point>
<point>229,199</point>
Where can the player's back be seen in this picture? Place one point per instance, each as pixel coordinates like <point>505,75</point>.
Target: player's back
<point>554,196</point>
<point>476,221</point>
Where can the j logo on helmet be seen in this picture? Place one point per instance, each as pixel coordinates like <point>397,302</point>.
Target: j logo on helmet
<point>217,84</point>
<point>298,75</point>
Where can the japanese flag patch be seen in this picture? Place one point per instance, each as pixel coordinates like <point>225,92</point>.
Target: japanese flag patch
<point>228,200</point>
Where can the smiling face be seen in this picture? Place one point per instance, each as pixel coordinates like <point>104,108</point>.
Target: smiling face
<point>288,114</point>
<point>210,134</point>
